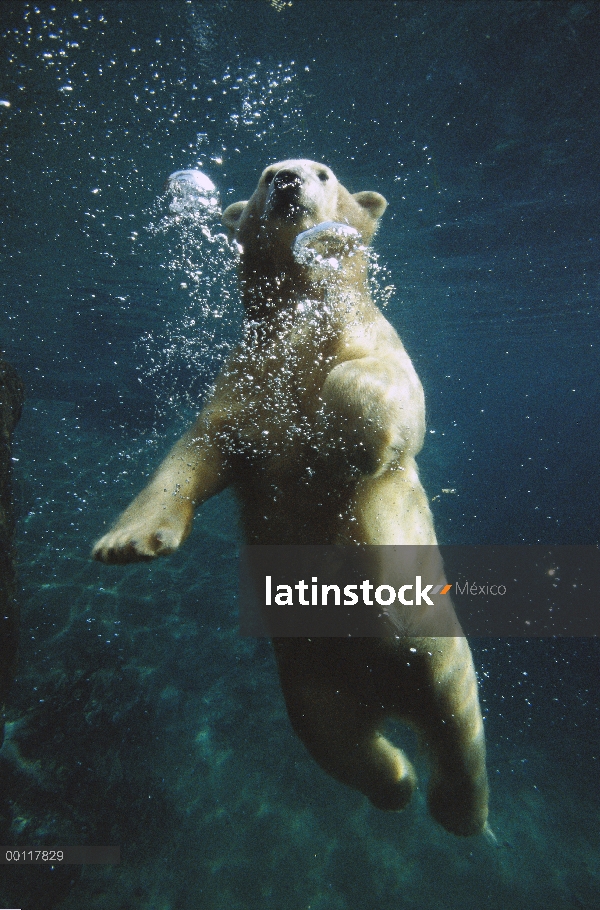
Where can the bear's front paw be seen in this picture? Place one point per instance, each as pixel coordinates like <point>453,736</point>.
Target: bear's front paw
<point>116,549</point>
<point>140,542</point>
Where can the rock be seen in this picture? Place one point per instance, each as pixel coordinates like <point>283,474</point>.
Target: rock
<point>11,401</point>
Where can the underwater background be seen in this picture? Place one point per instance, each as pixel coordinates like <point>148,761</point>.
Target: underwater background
<point>139,717</point>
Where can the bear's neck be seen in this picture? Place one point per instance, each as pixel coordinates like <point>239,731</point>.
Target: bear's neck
<point>279,286</point>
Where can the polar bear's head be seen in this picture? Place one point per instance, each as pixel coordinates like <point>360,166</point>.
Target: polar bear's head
<point>293,196</point>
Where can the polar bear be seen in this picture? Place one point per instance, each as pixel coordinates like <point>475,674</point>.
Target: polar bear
<point>315,421</point>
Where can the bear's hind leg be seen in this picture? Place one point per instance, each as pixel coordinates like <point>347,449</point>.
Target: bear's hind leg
<point>452,727</point>
<point>392,780</point>
<point>346,744</point>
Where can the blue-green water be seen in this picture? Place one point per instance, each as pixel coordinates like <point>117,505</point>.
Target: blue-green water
<point>139,717</point>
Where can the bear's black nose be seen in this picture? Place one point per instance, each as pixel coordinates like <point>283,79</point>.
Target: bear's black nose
<point>287,180</point>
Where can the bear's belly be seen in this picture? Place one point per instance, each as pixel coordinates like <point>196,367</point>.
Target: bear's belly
<point>289,510</point>
<point>313,501</point>
<point>288,491</point>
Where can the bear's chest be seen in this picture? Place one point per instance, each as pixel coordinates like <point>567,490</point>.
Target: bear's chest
<point>273,397</point>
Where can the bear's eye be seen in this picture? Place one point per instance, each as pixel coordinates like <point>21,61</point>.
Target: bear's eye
<point>268,177</point>
<point>323,176</point>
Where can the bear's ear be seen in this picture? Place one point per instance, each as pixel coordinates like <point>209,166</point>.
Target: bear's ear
<point>232,215</point>
<point>373,203</point>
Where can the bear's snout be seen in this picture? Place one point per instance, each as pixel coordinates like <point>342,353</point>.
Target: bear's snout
<point>287,180</point>
<point>286,195</point>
